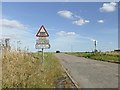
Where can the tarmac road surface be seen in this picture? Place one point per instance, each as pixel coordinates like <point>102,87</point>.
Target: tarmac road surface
<point>90,73</point>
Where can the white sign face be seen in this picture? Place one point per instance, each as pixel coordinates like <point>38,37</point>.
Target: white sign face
<point>44,46</point>
<point>42,32</point>
<point>42,41</point>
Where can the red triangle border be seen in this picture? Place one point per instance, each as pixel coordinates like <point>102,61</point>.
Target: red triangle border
<point>40,30</point>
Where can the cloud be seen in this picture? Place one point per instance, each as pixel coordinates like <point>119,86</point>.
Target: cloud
<point>12,24</point>
<point>65,34</point>
<point>108,7</point>
<point>87,38</point>
<point>66,14</point>
<point>77,20</point>
<point>93,40</point>
<point>100,21</point>
<point>17,32</point>
<point>71,41</point>
<point>24,36</point>
<point>81,22</point>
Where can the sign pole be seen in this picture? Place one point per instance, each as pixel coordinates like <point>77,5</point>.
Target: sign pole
<point>38,52</point>
<point>42,42</point>
<point>42,56</point>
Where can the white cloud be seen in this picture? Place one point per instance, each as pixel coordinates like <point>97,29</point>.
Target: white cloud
<point>64,34</point>
<point>17,32</point>
<point>100,21</point>
<point>108,7</point>
<point>66,14</point>
<point>81,22</point>
<point>12,24</point>
<point>93,40</point>
<point>87,38</point>
<point>75,42</point>
<point>26,37</point>
<point>78,20</point>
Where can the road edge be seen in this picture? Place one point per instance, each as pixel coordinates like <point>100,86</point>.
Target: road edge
<point>73,81</point>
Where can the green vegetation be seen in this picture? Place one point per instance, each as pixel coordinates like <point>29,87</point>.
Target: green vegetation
<point>25,70</point>
<point>103,56</point>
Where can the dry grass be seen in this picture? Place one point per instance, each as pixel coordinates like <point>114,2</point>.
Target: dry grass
<point>24,71</point>
<point>0,69</point>
<point>18,69</point>
<point>111,53</point>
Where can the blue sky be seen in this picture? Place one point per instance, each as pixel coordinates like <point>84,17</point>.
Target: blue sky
<point>60,0</point>
<point>71,26</point>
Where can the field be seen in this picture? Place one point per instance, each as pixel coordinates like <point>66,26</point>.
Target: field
<point>113,57</point>
<point>25,70</point>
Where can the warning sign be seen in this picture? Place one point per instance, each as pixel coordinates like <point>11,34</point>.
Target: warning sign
<point>42,32</point>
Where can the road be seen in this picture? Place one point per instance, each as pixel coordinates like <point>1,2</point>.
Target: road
<point>90,73</point>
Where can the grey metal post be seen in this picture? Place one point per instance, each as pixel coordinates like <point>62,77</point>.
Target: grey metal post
<point>71,48</point>
<point>42,56</point>
<point>38,52</point>
<point>95,43</point>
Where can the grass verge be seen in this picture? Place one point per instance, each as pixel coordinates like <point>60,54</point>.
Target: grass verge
<point>108,57</point>
<point>25,70</point>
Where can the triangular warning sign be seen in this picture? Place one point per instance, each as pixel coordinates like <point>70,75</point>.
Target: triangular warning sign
<point>42,32</point>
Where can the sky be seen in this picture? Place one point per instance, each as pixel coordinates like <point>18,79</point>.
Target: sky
<point>72,26</point>
<point>60,0</point>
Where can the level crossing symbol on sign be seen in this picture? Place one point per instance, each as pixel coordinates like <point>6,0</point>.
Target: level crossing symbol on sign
<point>42,32</point>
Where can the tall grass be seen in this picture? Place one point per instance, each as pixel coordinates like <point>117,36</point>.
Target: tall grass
<point>25,71</point>
<point>0,69</point>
